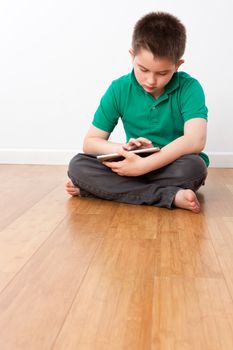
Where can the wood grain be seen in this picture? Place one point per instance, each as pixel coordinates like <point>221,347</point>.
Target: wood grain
<point>82,273</point>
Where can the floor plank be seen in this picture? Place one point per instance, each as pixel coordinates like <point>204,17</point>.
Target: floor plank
<point>24,236</point>
<point>21,186</point>
<point>192,313</point>
<point>43,291</point>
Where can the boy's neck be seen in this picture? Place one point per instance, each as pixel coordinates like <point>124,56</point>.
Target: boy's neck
<point>157,94</point>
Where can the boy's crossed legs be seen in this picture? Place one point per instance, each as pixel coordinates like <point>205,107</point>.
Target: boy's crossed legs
<point>173,185</point>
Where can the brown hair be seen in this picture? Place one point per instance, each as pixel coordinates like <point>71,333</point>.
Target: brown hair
<point>161,33</point>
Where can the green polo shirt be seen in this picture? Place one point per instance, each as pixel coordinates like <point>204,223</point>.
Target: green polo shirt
<point>160,120</point>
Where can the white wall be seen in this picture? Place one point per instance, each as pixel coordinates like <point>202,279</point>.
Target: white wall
<point>58,57</point>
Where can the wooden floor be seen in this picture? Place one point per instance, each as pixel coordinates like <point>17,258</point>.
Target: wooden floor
<point>87,274</point>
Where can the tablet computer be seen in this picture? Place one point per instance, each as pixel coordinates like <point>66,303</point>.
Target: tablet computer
<point>115,157</point>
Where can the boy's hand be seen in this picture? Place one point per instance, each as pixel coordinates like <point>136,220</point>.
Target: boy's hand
<point>132,165</point>
<point>139,143</point>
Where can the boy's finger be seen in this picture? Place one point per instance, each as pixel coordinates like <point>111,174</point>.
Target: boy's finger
<point>109,164</point>
<point>134,142</point>
<point>143,139</point>
<point>112,165</point>
<point>126,154</point>
<point>125,146</point>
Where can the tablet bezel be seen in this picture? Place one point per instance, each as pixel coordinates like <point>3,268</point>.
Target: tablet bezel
<point>118,157</point>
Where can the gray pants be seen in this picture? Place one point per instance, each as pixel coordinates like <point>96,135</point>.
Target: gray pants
<point>157,188</point>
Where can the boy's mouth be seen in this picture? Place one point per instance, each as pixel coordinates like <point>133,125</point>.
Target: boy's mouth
<point>149,88</point>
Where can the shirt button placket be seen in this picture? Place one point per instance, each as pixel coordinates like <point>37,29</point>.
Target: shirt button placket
<point>154,114</point>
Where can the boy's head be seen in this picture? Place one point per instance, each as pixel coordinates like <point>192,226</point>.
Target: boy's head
<point>157,47</point>
<point>160,33</point>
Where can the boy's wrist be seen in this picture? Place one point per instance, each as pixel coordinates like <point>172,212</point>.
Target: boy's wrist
<point>149,164</point>
<point>143,166</point>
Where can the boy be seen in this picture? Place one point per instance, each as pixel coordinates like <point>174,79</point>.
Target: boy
<point>159,107</point>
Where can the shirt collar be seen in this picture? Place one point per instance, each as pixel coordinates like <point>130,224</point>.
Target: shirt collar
<point>173,83</point>
<point>134,80</point>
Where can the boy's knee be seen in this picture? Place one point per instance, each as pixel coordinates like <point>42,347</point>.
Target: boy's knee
<point>83,167</point>
<point>193,167</point>
<point>74,166</point>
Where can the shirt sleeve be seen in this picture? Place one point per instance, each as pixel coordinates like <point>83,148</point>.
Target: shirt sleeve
<point>192,101</point>
<point>107,115</point>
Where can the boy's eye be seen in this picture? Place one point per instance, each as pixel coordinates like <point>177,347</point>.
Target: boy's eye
<point>144,70</point>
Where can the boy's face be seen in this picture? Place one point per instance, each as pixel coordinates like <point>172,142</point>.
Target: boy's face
<point>153,73</point>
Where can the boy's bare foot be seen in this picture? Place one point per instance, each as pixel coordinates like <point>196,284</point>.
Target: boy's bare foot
<point>187,199</point>
<point>71,189</point>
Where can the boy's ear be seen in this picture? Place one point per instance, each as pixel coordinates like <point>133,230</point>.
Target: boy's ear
<point>179,63</point>
<point>131,51</point>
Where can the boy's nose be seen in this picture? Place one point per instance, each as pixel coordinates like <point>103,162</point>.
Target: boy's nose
<point>151,81</point>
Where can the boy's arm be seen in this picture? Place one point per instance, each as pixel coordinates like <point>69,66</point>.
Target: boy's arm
<point>96,142</point>
<point>193,141</point>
